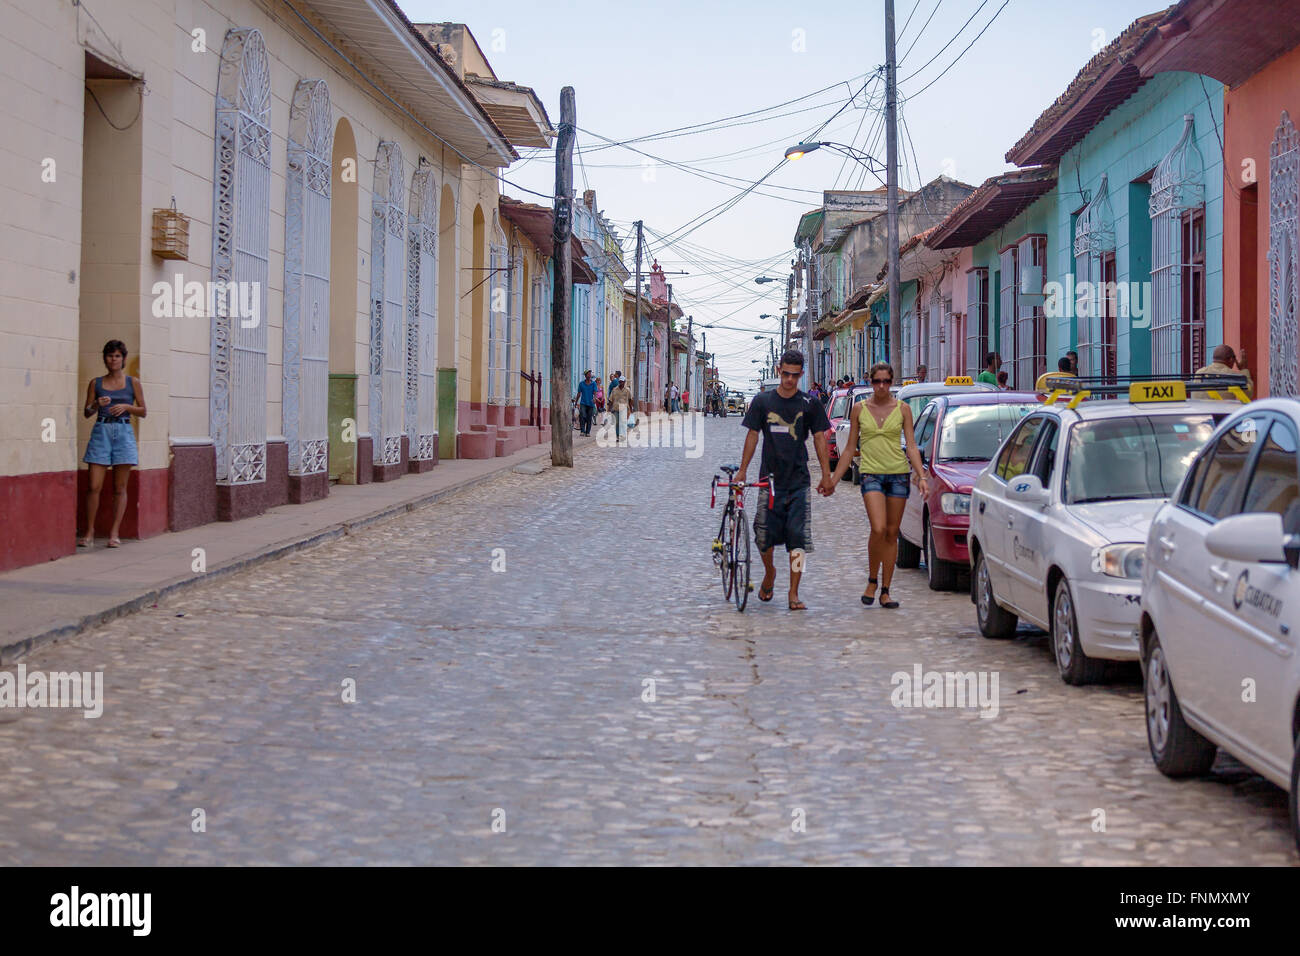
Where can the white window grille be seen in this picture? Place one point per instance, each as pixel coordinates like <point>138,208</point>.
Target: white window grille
<point>515,330</point>
<point>421,419</point>
<point>241,257</point>
<point>1007,305</point>
<point>949,339</point>
<point>498,318</point>
<point>306,279</point>
<point>977,319</point>
<point>860,359</point>
<point>908,336</point>
<point>387,306</point>
<point>1283,258</point>
<point>1031,320</point>
<point>1177,279</point>
<point>933,359</point>
<point>1094,249</point>
<point>538,363</point>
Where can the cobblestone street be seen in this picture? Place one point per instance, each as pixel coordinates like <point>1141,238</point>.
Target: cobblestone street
<point>516,696</point>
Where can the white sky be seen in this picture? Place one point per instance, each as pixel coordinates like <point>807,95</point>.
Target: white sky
<point>643,68</point>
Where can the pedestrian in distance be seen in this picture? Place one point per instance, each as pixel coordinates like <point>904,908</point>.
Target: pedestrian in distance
<point>587,401</point>
<point>113,398</point>
<point>686,399</point>
<point>1064,370</point>
<point>668,397</point>
<point>1073,356</point>
<point>992,363</point>
<point>1228,362</point>
<point>620,400</point>
<point>921,372</point>
<point>878,427</point>
<point>1004,380</point>
<point>785,417</point>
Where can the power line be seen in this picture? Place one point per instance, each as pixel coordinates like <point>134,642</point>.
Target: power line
<point>982,5</point>
<point>920,33</point>
<point>959,55</point>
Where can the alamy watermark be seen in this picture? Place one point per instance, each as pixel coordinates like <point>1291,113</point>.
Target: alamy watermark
<point>683,430</point>
<point>936,689</point>
<point>75,689</point>
<point>179,299</point>
<point>1087,300</point>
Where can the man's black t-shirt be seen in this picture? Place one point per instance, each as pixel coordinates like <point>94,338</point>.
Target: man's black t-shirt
<point>786,424</point>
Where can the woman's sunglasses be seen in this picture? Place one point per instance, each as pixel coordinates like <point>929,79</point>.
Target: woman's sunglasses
<point>882,381</point>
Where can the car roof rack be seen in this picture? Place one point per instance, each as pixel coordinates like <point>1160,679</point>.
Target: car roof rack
<point>1144,388</point>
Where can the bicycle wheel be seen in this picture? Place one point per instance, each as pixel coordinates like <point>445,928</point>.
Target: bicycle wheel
<point>741,586</point>
<point>728,548</point>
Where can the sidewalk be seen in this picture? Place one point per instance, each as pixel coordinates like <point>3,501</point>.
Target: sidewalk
<point>57,599</point>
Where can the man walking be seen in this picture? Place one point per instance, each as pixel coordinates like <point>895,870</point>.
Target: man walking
<point>786,417</point>
<point>619,401</point>
<point>587,401</point>
<point>1227,362</point>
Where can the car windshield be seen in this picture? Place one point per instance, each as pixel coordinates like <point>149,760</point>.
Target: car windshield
<point>839,406</point>
<point>1144,456</point>
<point>974,432</point>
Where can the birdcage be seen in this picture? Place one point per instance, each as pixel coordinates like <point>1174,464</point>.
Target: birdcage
<point>171,233</point>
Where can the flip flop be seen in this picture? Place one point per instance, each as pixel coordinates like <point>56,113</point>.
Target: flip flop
<point>770,592</point>
<point>85,542</point>
<point>797,605</point>
<point>115,542</point>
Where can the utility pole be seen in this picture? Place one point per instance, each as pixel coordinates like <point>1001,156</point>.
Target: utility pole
<point>690,355</point>
<point>667,361</point>
<point>561,231</point>
<point>891,187</point>
<point>636,322</point>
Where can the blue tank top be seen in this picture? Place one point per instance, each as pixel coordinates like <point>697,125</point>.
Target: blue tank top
<point>116,396</point>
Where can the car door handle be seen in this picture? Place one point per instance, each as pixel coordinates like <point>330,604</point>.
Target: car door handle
<point>1220,575</point>
<point>1167,543</point>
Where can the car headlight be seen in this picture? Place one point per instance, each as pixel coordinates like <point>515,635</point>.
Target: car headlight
<point>1121,560</point>
<point>954,504</point>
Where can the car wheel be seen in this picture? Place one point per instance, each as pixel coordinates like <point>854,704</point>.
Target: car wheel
<point>941,575</point>
<point>1177,749</point>
<point>1076,667</point>
<point>993,620</point>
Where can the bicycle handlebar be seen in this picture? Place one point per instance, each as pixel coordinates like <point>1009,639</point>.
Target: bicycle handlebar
<point>765,482</point>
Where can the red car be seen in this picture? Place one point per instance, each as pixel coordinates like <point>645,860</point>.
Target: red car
<point>836,411</point>
<point>957,436</point>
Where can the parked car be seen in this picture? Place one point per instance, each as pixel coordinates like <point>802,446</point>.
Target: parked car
<point>1220,623</point>
<point>837,410</point>
<point>1059,519</point>
<point>957,435</point>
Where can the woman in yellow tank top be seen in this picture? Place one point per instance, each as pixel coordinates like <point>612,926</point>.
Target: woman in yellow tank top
<point>878,427</point>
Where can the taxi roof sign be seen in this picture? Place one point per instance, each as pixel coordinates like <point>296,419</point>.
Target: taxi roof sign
<point>1166,391</point>
<point>959,380</point>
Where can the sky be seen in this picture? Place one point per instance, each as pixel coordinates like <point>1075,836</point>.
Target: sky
<point>640,69</point>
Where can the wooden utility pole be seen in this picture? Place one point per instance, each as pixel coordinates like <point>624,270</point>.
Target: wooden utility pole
<point>561,231</point>
<point>891,189</point>
<point>689,384</point>
<point>636,322</point>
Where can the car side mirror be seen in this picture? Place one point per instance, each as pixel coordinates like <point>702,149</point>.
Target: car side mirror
<point>1027,489</point>
<point>1252,538</point>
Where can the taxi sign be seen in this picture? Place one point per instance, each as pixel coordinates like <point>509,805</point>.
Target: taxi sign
<point>959,380</point>
<point>1172,391</point>
<point>909,381</point>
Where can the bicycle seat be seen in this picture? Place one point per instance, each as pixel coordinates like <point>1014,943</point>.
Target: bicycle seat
<point>730,469</point>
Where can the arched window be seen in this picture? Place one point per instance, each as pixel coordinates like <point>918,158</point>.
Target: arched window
<point>422,315</point>
<point>387,282</point>
<point>498,317</point>
<point>1283,258</point>
<point>1094,275</point>
<point>307,279</point>
<point>240,258</point>
<point>1177,209</point>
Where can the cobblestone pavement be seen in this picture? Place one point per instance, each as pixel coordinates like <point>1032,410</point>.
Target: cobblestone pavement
<point>517,696</point>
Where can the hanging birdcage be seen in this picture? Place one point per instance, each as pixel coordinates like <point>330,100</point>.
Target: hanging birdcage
<point>171,233</point>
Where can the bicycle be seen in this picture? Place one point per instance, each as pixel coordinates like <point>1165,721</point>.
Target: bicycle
<point>731,549</point>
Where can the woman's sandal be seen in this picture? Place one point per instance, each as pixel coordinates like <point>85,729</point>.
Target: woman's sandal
<point>86,542</point>
<point>868,601</point>
<point>115,542</point>
<point>890,603</point>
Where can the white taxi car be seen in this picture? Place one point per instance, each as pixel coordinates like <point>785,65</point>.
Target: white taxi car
<point>1059,519</point>
<point>1220,626</point>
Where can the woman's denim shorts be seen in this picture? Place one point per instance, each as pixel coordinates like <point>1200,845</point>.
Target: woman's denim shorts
<point>111,443</point>
<point>891,486</point>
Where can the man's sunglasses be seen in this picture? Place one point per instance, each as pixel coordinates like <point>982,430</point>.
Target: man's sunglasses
<point>882,381</point>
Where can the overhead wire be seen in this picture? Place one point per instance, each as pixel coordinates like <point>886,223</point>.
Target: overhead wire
<point>959,55</point>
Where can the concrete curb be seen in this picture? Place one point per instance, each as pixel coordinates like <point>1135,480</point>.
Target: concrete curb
<point>11,652</point>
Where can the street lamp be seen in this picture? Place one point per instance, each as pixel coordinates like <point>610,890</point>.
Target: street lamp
<point>870,162</point>
<point>761,279</point>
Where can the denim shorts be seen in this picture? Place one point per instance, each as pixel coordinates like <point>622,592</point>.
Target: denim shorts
<point>892,486</point>
<point>111,443</point>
